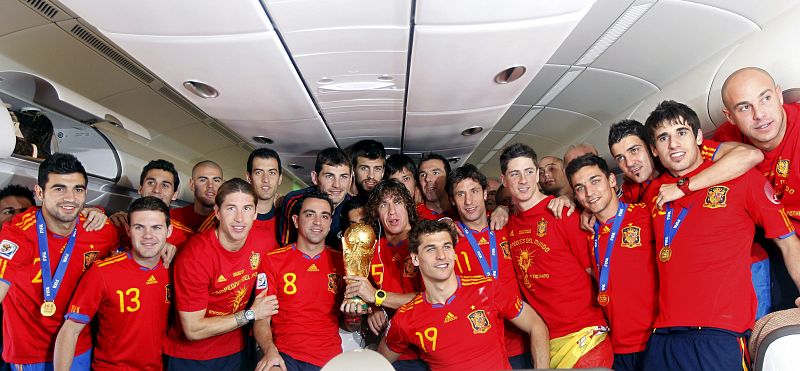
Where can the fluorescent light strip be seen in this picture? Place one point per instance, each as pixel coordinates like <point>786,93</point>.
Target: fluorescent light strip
<point>562,83</point>
<point>503,141</point>
<point>613,33</point>
<point>525,120</point>
<point>488,156</point>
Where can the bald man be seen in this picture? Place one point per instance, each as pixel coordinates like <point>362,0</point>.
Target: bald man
<point>205,181</point>
<point>552,179</point>
<point>577,150</point>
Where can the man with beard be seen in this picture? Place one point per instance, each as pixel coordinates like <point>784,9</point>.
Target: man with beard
<point>205,181</point>
<point>552,179</point>
<point>368,158</point>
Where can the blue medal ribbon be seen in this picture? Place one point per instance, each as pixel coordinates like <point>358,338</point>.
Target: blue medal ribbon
<point>476,248</point>
<point>670,229</point>
<point>49,282</point>
<point>612,237</point>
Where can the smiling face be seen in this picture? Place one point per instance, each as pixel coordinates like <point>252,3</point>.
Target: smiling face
<point>435,257</point>
<point>149,231</point>
<point>677,147</point>
<point>754,104</point>
<point>63,196</point>
<point>520,179</point>
<point>594,190</point>
<point>314,221</point>
<point>334,181</point>
<point>236,214</point>
<point>633,158</point>
<point>470,200</point>
<point>265,177</point>
<point>159,183</point>
<point>368,173</point>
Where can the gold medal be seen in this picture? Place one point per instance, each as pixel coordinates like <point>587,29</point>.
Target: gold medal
<point>602,299</point>
<point>665,254</point>
<point>48,309</point>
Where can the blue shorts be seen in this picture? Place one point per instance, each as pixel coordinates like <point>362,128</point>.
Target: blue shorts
<point>81,362</point>
<point>693,348</point>
<point>762,284</point>
<point>410,365</point>
<point>296,365</point>
<point>521,362</point>
<point>232,362</point>
<point>629,361</point>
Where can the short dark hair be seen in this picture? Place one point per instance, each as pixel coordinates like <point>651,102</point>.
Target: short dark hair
<point>396,163</point>
<point>516,150</point>
<point>389,187</point>
<point>160,165</point>
<point>60,163</point>
<point>435,156</point>
<point>234,185</point>
<point>331,156</point>
<point>17,190</point>
<point>625,128</point>
<point>670,112</point>
<point>149,203</point>
<point>312,194</point>
<point>588,159</point>
<point>265,153</point>
<point>367,148</point>
<point>428,227</point>
<point>468,171</point>
<point>353,203</point>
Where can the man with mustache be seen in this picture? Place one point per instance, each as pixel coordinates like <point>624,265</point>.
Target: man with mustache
<point>368,158</point>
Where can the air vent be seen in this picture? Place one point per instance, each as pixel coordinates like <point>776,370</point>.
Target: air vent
<point>183,103</point>
<point>43,7</point>
<point>108,51</point>
<point>224,132</point>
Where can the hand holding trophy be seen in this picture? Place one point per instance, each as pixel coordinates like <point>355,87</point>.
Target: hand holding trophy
<point>358,245</point>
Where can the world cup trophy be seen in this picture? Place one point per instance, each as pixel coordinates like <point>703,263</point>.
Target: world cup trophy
<point>358,245</point>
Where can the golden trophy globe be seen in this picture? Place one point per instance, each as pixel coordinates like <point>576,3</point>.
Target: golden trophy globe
<point>358,245</point>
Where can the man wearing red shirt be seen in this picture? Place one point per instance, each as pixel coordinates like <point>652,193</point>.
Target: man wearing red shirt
<point>757,115</point>
<point>126,291</point>
<point>706,299</point>
<point>483,252</point>
<point>623,235</point>
<point>265,173</point>
<point>214,278</point>
<point>159,179</point>
<point>432,176</point>
<point>206,180</point>
<point>457,322</point>
<point>307,278</point>
<point>34,308</point>
<point>553,267</point>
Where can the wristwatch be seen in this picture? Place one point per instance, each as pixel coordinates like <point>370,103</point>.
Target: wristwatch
<point>683,185</point>
<point>380,296</point>
<point>249,315</point>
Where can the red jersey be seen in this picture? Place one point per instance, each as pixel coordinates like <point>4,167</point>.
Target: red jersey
<point>551,262</point>
<point>468,265</point>
<point>132,303</point>
<point>631,309</point>
<point>309,290</point>
<point>29,336</point>
<point>264,230</point>
<point>706,282</point>
<point>392,269</point>
<point>180,234</point>
<point>781,166</point>
<point>187,216</point>
<point>209,277</point>
<point>424,212</point>
<point>466,333</point>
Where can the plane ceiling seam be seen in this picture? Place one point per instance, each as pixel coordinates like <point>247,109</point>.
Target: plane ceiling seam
<point>411,25</point>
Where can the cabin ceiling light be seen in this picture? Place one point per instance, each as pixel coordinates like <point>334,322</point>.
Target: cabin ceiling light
<point>559,86</point>
<point>201,89</point>
<point>260,139</point>
<point>385,78</point>
<point>296,167</point>
<point>623,23</point>
<point>472,131</point>
<point>325,80</point>
<point>510,74</point>
<point>358,86</point>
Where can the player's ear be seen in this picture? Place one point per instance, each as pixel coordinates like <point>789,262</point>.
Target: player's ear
<point>414,259</point>
<point>38,192</point>
<point>612,180</point>
<point>169,229</point>
<point>294,220</point>
<point>216,212</point>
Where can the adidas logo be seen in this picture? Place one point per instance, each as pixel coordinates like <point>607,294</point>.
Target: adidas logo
<point>397,257</point>
<point>221,278</point>
<point>449,317</point>
<point>151,281</point>
<point>312,268</point>
<point>483,241</point>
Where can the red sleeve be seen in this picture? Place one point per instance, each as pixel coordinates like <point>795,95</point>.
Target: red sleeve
<point>507,300</point>
<point>575,237</point>
<point>88,295</point>
<point>728,132</point>
<point>709,149</point>
<point>764,207</point>
<point>395,339</point>
<point>266,278</point>
<point>16,251</point>
<point>192,281</point>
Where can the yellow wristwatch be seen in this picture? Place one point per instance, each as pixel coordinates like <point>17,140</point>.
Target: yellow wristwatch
<point>380,296</point>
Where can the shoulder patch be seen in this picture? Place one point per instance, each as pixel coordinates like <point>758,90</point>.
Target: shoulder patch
<point>8,249</point>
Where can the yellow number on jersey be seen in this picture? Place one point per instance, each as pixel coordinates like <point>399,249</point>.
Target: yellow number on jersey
<point>289,288</point>
<point>377,274</point>
<point>466,262</point>
<point>38,278</point>
<point>430,334</point>
<point>133,294</point>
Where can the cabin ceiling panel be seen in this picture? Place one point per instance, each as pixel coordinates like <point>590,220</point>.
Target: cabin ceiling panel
<point>559,125</point>
<point>602,94</point>
<point>199,136</point>
<point>36,48</point>
<point>545,79</point>
<point>434,131</point>
<point>16,16</point>
<point>756,11</point>
<point>292,137</point>
<point>375,128</point>
<point>390,141</point>
<point>233,159</point>
<point>294,15</point>
<point>149,109</point>
<point>226,63</point>
<point>442,12</point>
<point>511,117</point>
<point>699,30</point>
<point>173,17</point>
<point>353,116</point>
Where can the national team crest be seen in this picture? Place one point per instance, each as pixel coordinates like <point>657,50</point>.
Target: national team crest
<point>716,197</point>
<point>782,168</point>
<point>168,293</point>
<point>479,321</point>
<point>631,237</point>
<point>333,283</point>
<point>255,258</point>
<point>89,258</point>
<point>409,270</point>
<point>506,250</point>
<point>541,228</point>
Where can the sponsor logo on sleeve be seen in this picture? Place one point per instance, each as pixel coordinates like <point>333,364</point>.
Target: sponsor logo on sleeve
<point>8,249</point>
